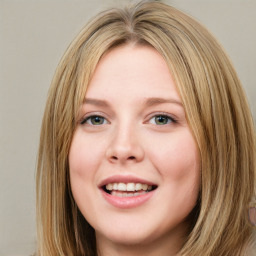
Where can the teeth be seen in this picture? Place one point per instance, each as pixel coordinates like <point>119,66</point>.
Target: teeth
<point>138,186</point>
<point>109,186</point>
<point>122,194</point>
<point>144,187</point>
<point>131,187</point>
<point>121,187</point>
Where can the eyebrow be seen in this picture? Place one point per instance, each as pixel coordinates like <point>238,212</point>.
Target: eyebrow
<point>96,102</point>
<point>148,102</point>
<point>156,101</point>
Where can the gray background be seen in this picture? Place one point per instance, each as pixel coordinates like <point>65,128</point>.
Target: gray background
<point>33,37</point>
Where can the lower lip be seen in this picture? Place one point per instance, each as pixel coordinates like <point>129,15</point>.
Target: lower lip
<point>127,202</point>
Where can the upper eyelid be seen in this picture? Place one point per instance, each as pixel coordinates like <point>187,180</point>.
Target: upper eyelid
<point>94,113</point>
<point>161,113</point>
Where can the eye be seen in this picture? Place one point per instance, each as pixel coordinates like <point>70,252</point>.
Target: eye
<point>94,120</point>
<point>162,120</point>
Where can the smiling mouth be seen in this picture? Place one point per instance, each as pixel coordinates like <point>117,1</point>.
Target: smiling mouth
<point>128,189</point>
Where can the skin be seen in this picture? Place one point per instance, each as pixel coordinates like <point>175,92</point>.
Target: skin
<point>128,140</point>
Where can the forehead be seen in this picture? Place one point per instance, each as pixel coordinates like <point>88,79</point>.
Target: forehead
<point>132,69</point>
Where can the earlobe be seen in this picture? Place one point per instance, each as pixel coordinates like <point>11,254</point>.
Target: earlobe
<point>252,213</point>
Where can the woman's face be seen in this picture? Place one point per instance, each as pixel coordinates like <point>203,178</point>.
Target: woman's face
<point>134,164</point>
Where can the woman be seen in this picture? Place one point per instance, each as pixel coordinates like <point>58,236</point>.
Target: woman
<point>147,144</point>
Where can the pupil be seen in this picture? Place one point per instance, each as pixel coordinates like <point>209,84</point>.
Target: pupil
<point>161,120</point>
<point>97,120</point>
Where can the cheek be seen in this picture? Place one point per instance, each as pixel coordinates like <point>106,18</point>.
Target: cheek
<point>177,159</point>
<point>78,167</point>
<point>85,155</point>
<point>84,158</point>
<point>83,164</point>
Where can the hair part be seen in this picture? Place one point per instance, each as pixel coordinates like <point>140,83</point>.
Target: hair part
<point>216,110</point>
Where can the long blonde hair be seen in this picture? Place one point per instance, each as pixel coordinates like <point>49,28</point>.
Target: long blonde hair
<point>216,110</point>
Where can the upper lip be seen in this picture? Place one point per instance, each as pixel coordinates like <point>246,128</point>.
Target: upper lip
<point>125,179</point>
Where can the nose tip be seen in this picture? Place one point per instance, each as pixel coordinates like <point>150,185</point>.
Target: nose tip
<point>125,152</point>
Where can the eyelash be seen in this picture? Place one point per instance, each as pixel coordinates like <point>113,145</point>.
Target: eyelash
<point>171,119</point>
<point>90,118</point>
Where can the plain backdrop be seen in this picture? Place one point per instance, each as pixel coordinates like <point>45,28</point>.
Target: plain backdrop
<point>33,37</point>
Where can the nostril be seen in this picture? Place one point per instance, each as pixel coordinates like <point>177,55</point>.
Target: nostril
<point>129,158</point>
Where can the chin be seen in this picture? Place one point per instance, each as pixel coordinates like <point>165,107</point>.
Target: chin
<point>127,238</point>
<point>141,233</point>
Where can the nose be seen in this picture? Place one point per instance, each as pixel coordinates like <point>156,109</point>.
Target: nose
<point>125,147</point>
